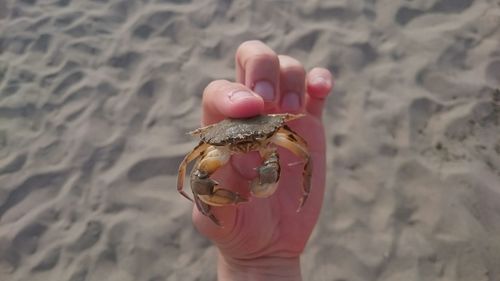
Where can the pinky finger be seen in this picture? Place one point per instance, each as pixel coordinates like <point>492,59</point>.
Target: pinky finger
<point>319,83</point>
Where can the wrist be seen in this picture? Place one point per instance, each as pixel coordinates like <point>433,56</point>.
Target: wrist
<point>258,269</point>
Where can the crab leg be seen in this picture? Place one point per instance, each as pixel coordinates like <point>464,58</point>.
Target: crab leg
<point>205,210</point>
<point>269,173</point>
<point>287,138</point>
<point>198,151</point>
<point>206,188</point>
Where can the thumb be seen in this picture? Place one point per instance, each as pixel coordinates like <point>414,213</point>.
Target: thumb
<point>222,99</point>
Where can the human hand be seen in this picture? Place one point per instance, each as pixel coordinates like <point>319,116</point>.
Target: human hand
<point>263,239</point>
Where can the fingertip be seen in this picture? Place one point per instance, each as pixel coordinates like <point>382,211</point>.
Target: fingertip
<point>319,85</point>
<point>319,82</point>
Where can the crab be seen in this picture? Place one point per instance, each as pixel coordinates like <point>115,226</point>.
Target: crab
<point>232,136</point>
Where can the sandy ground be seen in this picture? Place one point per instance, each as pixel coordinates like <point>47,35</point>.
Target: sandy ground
<point>96,98</point>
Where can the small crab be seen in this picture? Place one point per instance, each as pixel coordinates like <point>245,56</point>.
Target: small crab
<point>230,136</point>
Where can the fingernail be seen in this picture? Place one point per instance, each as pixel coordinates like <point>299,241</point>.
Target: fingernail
<point>291,102</point>
<point>265,89</point>
<point>240,95</point>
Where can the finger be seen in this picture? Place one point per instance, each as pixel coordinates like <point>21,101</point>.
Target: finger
<point>222,99</point>
<point>257,67</point>
<point>319,84</point>
<point>292,85</point>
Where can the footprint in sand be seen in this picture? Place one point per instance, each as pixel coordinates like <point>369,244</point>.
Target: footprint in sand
<point>88,238</point>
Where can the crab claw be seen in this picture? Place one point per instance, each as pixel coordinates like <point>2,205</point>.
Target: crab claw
<point>269,173</point>
<point>206,189</point>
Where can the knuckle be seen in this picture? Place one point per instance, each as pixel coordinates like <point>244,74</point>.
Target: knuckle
<point>290,64</point>
<point>255,52</point>
<point>323,72</point>
<point>262,60</point>
<point>214,87</point>
<point>250,45</point>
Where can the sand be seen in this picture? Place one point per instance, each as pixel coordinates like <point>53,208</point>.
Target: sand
<point>96,98</point>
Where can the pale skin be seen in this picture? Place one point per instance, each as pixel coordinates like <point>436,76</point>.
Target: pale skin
<point>263,239</point>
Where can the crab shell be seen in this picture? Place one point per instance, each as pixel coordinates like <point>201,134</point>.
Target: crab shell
<point>234,131</point>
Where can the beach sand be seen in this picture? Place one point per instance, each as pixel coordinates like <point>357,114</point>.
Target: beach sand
<point>96,98</point>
